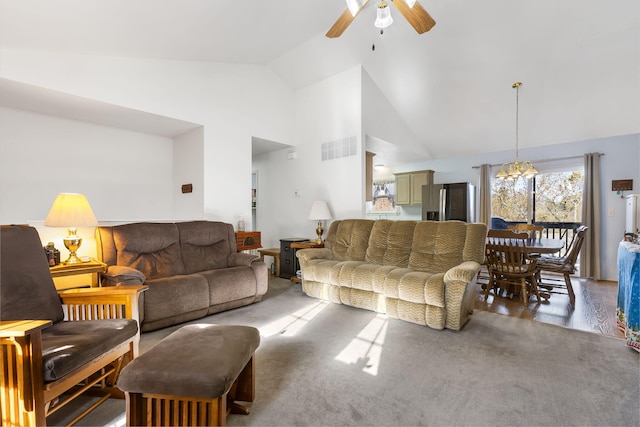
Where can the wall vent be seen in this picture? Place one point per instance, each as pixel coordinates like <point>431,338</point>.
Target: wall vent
<point>346,147</point>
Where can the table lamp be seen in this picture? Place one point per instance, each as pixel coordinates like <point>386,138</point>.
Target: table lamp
<point>319,212</point>
<point>71,210</point>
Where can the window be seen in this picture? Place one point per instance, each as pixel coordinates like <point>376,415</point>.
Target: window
<point>552,196</point>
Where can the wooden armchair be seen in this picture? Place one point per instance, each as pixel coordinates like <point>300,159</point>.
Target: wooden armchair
<point>57,346</point>
<point>510,264</point>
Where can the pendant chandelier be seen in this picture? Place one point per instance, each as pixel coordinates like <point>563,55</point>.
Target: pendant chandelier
<point>516,169</point>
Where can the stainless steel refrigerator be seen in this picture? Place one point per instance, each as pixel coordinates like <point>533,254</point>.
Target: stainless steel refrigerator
<point>443,202</point>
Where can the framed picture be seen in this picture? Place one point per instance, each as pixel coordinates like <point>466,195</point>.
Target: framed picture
<point>384,196</point>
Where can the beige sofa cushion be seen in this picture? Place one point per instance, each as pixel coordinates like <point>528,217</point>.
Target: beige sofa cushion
<point>390,243</point>
<point>348,240</point>
<point>437,246</point>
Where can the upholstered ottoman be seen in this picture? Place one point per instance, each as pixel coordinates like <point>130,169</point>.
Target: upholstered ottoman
<point>192,377</point>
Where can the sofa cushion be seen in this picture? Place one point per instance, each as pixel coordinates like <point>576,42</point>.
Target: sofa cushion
<point>390,243</point>
<point>318,270</point>
<point>152,248</point>
<point>69,345</point>
<point>348,240</point>
<point>206,245</point>
<point>220,291</point>
<point>365,276</point>
<point>172,296</point>
<point>437,246</point>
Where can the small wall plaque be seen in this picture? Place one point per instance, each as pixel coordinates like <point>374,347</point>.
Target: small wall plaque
<point>622,185</point>
<point>187,188</point>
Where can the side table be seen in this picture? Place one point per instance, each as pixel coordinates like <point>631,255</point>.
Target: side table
<point>307,244</point>
<point>275,253</point>
<point>93,267</point>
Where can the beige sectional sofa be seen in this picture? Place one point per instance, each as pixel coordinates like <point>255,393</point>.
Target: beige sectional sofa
<point>192,269</point>
<point>418,271</point>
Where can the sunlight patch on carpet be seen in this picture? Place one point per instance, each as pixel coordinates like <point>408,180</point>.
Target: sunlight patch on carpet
<point>290,324</point>
<point>366,348</point>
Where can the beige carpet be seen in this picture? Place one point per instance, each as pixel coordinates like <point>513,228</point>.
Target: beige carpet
<point>326,364</point>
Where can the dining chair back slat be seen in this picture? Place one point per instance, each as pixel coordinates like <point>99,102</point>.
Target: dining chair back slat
<point>509,263</point>
<point>534,231</point>
<point>565,265</point>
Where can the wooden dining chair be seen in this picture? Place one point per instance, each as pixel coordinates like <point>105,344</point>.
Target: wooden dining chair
<point>565,265</point>
<point>535,231</point>
<point>509,264</point>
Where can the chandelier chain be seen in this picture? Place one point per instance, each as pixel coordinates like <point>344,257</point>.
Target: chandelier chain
<point>517,86</point>
<point>517,169</point>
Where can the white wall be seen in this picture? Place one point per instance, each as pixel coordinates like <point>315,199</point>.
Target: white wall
<point>124,174</point>
<point>188,168</point>
<point>381,120</point>
<point>232,102</point>
<point>326,111</point>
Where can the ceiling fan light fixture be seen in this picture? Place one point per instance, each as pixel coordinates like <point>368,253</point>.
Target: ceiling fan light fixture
<point>410,3</point>
<point>383,16</point>
<point>354,6</point>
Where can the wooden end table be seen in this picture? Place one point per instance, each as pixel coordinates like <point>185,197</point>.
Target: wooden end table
<point>93,267</point>
<point>275,253</point>
<point>307,244</point>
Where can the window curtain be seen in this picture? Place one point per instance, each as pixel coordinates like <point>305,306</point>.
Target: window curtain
<point>485,194</point>
<point>590,254</point>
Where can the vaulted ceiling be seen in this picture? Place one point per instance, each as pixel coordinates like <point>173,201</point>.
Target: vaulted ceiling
<point>579,60</point>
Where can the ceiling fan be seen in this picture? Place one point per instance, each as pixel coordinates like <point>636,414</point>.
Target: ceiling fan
<point>412,11</point>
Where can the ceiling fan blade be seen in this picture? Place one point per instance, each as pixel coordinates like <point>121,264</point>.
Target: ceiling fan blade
<point>416,16</point>
<point>343,22</point>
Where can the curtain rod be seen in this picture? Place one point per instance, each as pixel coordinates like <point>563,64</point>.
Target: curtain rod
<point>544,161</point>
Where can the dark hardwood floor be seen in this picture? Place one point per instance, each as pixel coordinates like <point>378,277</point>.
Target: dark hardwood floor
<point>595,307</point>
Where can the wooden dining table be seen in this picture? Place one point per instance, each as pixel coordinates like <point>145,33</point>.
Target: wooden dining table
<point>544,245</point>
<point>540,246</point>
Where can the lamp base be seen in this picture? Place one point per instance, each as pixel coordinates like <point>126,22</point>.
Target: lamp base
<point>72,242</point>
<point>319,231</point>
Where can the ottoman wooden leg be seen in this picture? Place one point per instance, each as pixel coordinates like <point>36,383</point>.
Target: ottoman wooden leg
<point>243,389</point>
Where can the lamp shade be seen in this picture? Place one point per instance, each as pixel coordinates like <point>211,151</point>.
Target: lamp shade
<point>71,210</point>
<point>320,211</point>
<point>383,16</point>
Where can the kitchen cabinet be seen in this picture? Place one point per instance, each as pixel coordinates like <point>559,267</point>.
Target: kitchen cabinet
<point>409,186</point>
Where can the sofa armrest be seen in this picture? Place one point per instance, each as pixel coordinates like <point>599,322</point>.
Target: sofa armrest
<point>114,302</point>
<point>314,253</point>
<point>459,293</point>
<point>464,272</point>
<point>241,259</point>
<point>117,275</point>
